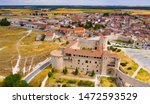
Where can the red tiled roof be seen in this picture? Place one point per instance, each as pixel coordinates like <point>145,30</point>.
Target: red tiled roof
<point>79,28</point>
<point>49,34</point>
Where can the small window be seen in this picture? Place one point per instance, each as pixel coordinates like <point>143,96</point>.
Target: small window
<point>87,66</point>
<point>86,61</point>
<point>95,62</point>
<point>96,70</point>
<point>78,60</point>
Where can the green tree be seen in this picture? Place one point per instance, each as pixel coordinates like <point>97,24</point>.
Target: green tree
<point>21,83</point>
<point>106,14</point>
<point>93,73</point>
<point>98,26</point>
<point>54,70</point>
<point>76,72</point>
<point>50,74</point>
<point>14,80</point>
<point>65,71</point>
<point>108,42</point>
<point>4,22</point>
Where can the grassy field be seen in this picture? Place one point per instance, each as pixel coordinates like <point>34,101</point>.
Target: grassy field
<point>37,80</point>
<point>66,82</point>
<point>108,82</point>
<point>143,75</point>
<point>59,79</point>
<point>142,12</point>
<point>130,67</point>
<point>66,10</point>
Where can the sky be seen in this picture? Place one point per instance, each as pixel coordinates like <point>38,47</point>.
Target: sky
<point>77,2</point>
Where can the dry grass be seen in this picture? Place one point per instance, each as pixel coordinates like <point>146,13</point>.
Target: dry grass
<point>37,80</point>
<point>143,75</point>
<point>28,47</point>
<point>65,10</point>
<point>142,12</point>
<point>108,82</point>
<point>130,63</point>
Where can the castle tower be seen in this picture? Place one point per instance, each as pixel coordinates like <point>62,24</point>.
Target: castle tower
<point>103,40</point>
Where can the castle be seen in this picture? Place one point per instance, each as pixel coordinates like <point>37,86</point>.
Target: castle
<point>88,54</point>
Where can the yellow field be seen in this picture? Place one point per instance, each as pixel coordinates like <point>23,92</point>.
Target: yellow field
<point>143,75</point>
<point>108,82</point>
<point>65,10</point>
<point>28,47</point>
<point>130,63</point>
<point>142,12</point>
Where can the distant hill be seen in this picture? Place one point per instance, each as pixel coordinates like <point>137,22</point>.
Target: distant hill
<point>75,6</point>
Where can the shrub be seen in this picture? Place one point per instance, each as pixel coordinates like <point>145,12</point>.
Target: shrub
<point>50,74</point>
<point>72,81</point>
<point>129,68</point>
<point>85,83</point>
<point>66,85</point>
<point>118,50</point>
<point>54,70</point>
<point>123,64</point>
<point>4,22</point>
<point>76,72</point>
<point>65,71</point>
<point>93,73</point>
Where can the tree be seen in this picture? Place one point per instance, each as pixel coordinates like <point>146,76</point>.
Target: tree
<point>54,70</point>
<point>98,26</point>
<point>108,42</point>
<point>14,80</point>
<point>76,72</point>
<point>93,73</point>
<point>65,71</point>
<point>50,74</point>
<point>106,14</point>
<point>4,22</point>
<point>21,83</point>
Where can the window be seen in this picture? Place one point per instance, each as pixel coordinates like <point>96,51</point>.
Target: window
<point>90,61</point>
<point>96,70</point>
<point>87,66</point>
<point>86,61</point>
<point>78,60</point>
<point>95,62</point>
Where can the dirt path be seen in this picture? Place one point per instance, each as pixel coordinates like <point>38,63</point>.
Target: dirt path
<point>16,68</point>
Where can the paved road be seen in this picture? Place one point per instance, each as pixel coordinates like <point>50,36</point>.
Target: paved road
<point>30,76</point>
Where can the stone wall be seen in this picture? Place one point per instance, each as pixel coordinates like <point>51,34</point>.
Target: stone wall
<point>122,77</point>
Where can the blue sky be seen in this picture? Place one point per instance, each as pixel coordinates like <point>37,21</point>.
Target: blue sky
<point>76,2</point>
